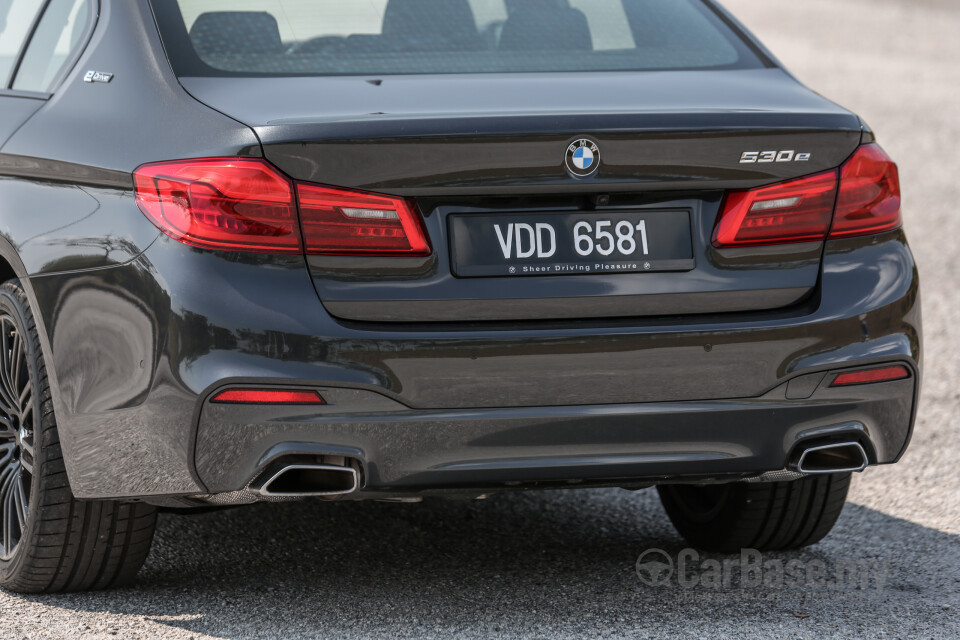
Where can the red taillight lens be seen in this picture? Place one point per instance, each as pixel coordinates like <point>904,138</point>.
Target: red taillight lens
<point>795,211</point>
<point>339,222</point>
<point>239,204</point>
<point>869,199</point>
<point>866,201</point>
<point>268,396</point>
<point>870,376</point>
<point>230,204</point>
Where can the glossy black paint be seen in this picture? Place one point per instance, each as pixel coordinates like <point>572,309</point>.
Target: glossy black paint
<point>406,450</point>
<point>475,144</point>
<point>255,320</point>
<point>424,368</point>
<point>15,111</point>
<point>496,134</point>
<point>724,280</point>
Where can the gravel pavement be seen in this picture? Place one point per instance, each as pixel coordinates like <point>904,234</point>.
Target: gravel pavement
<point>562,564</point>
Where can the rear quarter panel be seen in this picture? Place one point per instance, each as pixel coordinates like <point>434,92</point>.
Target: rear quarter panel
<point>68,225</point>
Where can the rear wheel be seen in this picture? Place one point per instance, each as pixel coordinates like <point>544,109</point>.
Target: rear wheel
<point>49,541</point>
<point>764,516</point>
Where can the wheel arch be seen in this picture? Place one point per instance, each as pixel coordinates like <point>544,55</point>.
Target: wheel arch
<point>12,267</point>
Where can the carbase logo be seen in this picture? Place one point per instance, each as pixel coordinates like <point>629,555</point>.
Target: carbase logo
<point>752,570</point>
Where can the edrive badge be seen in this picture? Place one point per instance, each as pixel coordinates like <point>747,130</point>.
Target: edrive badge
<point>583,158</point>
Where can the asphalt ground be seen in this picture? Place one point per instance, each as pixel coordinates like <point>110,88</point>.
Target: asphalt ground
<point>563,564</point>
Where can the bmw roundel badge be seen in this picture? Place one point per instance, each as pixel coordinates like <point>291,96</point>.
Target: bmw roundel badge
<point>583,158</point>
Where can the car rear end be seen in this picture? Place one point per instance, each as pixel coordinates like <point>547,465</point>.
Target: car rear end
<point>405,248</point>
<point>473,255</point>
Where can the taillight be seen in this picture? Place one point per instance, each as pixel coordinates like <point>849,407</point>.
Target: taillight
<point>230,204</point>
<point>865,200</point>
<point>340,222</point>
<point>796,211</point>
<point>869,199</point>
<point>245,204</point>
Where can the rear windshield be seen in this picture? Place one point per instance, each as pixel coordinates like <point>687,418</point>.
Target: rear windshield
<point>380,37</point>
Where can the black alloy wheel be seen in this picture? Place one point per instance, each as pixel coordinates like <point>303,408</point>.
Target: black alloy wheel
<point>49,540</point>
<point>17,418</point>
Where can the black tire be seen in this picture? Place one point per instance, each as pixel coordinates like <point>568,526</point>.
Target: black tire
<point>49,541</point>
<point>766,516</point>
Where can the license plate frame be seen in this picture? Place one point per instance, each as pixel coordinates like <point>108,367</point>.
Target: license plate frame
<point>480,243</point>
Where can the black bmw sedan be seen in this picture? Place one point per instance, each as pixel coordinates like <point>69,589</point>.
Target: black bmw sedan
<point>289,249</point>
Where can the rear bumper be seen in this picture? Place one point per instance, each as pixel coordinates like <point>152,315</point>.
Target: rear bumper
<point>400,450</point>
<point>447,406</point>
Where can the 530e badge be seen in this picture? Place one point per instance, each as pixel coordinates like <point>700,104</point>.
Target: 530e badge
<point>762,157</point>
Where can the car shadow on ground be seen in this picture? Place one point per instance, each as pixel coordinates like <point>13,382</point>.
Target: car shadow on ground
<point>552,563</point>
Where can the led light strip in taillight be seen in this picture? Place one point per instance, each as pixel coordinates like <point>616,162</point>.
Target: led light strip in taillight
<point>340,222</point>
<point>796,211</point>
<point>861,198</point>
<point>246,204</point>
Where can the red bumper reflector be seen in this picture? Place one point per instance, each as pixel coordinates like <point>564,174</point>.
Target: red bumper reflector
<point>268,396</point>
<point>870,376</point>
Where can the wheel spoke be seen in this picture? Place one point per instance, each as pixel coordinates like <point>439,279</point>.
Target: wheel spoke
<point>20,502</point>
<point>5,340</point>
<point>6,495</point>
<point>25,393</point>
<point>8,469</point>
<point>27,449</point>
<point>8,393</point>
<point>6,454</point>
<point>13,370</point>
<point>17,447</point>
<point>6,357</point>
<point>16,358</point>
<point>7,404</point>
<point>26,458</point>
<point>7,477</point>
<point>5,472</point>
<point>27,454</point>
<point>25,402</point>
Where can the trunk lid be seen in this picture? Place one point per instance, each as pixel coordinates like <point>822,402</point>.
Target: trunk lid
<point>493,147</point>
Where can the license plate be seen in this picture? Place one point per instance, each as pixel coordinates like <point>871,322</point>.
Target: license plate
<point>570,243</point>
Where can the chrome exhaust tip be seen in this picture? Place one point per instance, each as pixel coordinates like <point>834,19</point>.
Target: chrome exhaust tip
<point>837,457</point>
<point>309,480</point>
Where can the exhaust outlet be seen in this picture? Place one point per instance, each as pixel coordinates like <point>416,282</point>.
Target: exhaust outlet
<point>309,480</point>
<point>838,457</point>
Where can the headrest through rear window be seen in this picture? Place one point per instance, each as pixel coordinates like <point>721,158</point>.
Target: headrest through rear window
<point>220,33</point>
<point>431,25</point>
<point>545,25</point>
